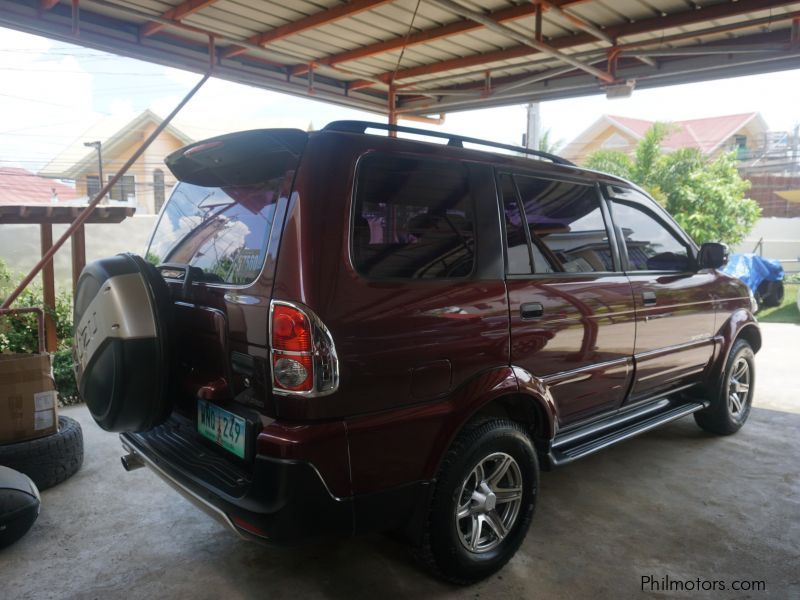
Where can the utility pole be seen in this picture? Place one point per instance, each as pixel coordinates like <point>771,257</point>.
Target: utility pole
<point>534,127</point>
<point>794,165</point>
<point>98,145</point>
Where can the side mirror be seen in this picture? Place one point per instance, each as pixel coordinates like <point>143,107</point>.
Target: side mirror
<point>712,255</point>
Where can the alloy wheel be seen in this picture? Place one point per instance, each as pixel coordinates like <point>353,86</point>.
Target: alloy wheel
<point>739,388</point>
<point>489,502</point>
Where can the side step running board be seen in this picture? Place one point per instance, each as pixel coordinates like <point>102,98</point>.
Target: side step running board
<point>575,445</point>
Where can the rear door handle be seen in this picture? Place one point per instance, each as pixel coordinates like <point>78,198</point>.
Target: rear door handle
<point>648,298</point>
<point>531,310</point>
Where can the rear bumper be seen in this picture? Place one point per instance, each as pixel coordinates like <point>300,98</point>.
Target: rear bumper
<point>279,500</point>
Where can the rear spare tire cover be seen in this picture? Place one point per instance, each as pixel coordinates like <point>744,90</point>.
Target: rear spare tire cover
<point>19,505</point>
<point>122,343</point>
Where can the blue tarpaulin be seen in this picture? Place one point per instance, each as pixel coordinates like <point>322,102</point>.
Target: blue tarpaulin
<point>753,269</point>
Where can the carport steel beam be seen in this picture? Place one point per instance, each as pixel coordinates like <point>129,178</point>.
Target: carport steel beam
<point>184,9</point>
<point>429,35</point>
<point>687,17</point>
<point>311,21</point>
<point>490,24</point>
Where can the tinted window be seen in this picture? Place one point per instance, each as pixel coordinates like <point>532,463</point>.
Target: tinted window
<point>413,219</point>
<point>222,230</point>
<point>566,224</point>
<point>520,249</point>
<point>651,245</point>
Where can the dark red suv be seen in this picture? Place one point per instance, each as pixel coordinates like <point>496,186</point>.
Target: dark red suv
<point>338,332</point>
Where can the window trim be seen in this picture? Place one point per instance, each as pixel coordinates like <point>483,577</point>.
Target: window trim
<point>690,250</point>
<point>504,230</point>
<point>99,182</point>
<point>644,199</point>
<point>119,183</point>
<point>473,274</point>
<point>605,212</point>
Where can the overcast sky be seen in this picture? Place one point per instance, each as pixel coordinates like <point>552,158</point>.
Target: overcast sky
<point>51,93</point>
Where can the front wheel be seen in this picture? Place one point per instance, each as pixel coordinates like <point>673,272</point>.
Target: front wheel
<point>731,404</point>
<point>483,503</point>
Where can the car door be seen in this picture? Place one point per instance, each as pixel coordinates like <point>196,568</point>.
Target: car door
<point>571,310</point>
<point>674,301</point>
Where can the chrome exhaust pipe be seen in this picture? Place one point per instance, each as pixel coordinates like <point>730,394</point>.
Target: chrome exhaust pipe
<point>131,462</point>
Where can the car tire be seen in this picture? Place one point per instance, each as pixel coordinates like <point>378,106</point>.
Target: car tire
<point>772,295</point>
<point>733,397</point>
<point>47,460</point>
<point>472,533</point>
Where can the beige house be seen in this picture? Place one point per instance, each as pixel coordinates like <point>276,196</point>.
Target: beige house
<point>744,133</point>
<point>146,185</point>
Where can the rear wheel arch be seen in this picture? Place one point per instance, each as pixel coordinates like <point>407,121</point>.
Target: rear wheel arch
<point>495,394</point>
<point>751,334</point>
<point>525,409</point>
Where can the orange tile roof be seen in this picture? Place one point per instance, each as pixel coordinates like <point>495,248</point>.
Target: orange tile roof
<point>20,186</point>
<point>705,134</point>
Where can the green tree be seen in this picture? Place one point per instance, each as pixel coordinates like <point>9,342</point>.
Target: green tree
<point>548,145</point>
<point>18,333</point>
<point>706,196</point>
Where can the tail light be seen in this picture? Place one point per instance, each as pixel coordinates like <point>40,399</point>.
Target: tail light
<point>302,352</point>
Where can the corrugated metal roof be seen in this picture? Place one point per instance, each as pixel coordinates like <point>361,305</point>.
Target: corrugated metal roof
<point>437,55</point>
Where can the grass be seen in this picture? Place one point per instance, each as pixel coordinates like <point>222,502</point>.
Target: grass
<point>785,313</point>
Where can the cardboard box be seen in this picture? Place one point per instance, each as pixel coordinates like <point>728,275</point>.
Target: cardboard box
<point>28,408</point>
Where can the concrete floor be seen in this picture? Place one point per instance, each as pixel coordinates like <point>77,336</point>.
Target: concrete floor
<point>675,502</point>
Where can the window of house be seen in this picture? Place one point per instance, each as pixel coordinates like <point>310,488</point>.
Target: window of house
<point>413,219</point>
<point>651,245</point>
<point>92,186</point>
<point>124,190</point>
<point>566,226</point>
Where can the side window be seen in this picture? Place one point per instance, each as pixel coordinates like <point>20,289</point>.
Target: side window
<point>413,219</point>
<point>566,224</point>
<point>517,249</point>
<point>650,244</point>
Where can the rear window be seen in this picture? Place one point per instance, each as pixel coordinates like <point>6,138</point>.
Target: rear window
<point>413,219</point>
<point>222,230</point>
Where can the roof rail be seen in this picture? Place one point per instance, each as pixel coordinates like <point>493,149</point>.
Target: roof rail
<point>452,139</point>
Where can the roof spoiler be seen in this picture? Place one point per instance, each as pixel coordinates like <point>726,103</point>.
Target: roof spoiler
<point>241,158</point>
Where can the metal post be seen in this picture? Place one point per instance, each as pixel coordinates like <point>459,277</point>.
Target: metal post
<point>794,165</point>
<point>48,289</point>
<point>392,100</point>
<point>533,129</point>
<point>81,219</point>
<point>97,145</point>
<point>78,256</point>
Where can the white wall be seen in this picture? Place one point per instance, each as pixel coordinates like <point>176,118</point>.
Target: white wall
<point>20,245</point>
<point>781,241</point>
